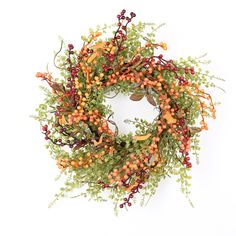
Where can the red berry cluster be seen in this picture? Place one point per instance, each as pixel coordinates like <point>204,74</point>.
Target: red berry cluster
<point>103,185</point>
<point>141,176</point>
<point>189,70</point>
<point>119,38</point>
<point>186,161</point>
<point>46,131</point>
<point>185,141</point>
<point>182,80</point>
<point>59,141</point>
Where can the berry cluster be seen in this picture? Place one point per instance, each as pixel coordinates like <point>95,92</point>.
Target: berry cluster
<point>185,141</point>
<point>103,185</point>
<point>141,177</point>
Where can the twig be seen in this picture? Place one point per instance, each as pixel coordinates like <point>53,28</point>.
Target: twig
<point>54,60</point>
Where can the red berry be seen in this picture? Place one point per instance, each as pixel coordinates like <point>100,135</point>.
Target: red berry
<point>189,165</point>
<point>121,205</point>
<point>70,46</point>
<point>187,158</point>
<point>129,204</point>
<point>45,128</point>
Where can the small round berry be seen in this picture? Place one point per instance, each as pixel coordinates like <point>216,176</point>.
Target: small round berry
<point>70,46</point>
<point>132,14</point>
<point>45,128</point>
<point>187,158</point>
<point>189,165</point>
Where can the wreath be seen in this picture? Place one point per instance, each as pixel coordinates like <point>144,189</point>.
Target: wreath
<point>98,161</point>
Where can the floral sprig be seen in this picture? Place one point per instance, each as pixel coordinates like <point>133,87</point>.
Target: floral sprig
<point>85,141</point>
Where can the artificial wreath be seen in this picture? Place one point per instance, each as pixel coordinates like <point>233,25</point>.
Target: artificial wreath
<point>96,159</point>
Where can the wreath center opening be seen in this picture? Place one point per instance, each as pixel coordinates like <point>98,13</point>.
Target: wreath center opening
<point>126,110</point>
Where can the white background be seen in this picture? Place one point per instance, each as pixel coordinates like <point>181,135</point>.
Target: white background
<point>29,35</point>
